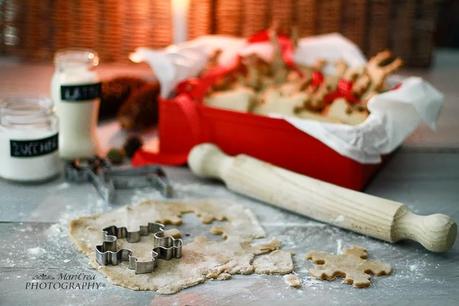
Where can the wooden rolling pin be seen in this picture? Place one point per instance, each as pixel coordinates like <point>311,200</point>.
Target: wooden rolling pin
<point>356,211</point>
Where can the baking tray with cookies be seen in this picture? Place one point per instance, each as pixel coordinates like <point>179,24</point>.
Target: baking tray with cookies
<point>314,106</point>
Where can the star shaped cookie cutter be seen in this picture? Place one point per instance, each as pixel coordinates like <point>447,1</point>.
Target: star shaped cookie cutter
<point>164,247</point>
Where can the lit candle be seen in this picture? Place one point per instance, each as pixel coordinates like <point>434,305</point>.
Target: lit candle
<point>180,20</point>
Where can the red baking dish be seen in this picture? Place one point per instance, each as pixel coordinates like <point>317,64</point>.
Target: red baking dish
<point>185,122</point>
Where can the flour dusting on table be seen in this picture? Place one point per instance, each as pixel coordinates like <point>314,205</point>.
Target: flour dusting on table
<point>298,235</point>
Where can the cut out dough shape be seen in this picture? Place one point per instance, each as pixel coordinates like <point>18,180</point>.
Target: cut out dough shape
<point>292,280</point>
<point>353,265</point>
<point>281,260</point>
<point>201,259</point>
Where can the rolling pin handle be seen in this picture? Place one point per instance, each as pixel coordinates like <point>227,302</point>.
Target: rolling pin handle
<point>207,160</point>
<point>436,232</point>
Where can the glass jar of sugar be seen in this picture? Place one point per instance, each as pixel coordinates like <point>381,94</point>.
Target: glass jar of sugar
<point>28,139</point>
<point>75,90</point>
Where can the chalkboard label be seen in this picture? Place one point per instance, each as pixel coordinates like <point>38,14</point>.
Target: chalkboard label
<point>33,148</point>
<point>80,92</point>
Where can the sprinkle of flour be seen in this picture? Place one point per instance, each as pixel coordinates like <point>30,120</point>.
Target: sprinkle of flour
<point>339,246</point>
<point>37,251</point>
<point>339,219</point>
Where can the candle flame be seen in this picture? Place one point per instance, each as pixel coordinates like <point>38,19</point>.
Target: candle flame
<point>135,57</point>
<point>180,4</point>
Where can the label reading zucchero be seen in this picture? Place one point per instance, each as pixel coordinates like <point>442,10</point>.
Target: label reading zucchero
<point>33,148</point>
<point>80,92</point>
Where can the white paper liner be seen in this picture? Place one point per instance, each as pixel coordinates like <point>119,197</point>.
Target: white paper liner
<point>394,114</point>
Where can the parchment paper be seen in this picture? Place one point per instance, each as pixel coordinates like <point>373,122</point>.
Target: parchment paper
<point>394,114</point>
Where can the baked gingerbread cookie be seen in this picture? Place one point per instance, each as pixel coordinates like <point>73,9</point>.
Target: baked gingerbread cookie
<point>353,265</point>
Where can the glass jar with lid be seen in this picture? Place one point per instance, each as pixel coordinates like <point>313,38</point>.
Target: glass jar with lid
<point>75,90</point>
<point>29,139</point>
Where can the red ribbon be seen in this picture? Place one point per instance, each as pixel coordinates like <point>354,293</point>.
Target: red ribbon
<point>317,78</point>
<point>197,88</point>
<point>285,43</point>
<point>397,86</point>
<point>344,90</point>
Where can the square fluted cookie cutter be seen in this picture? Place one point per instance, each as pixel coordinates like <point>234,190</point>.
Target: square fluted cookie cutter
<point>108,179</point>
<point>164,247</point>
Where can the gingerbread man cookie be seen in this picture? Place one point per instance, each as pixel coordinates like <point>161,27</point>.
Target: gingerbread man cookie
<point>353,265</point>
<point>378,70</point>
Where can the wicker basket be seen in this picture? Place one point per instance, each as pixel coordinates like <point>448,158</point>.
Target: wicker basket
<point>110,31</point>
<point>36,29</point>
<point>353,21</point>
<point>401,28</point>
<point>282,15</point>
<point>229,17</point>
<point>304,17</point>
<point>328,16</point>
<point>112,28</point>
<point>378,23</point>
<point>255,15</point>
<point>423,30</point>
<point>199,18</point>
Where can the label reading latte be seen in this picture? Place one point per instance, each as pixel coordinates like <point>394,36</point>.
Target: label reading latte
<point>33,148</point>
<point>80,92</point>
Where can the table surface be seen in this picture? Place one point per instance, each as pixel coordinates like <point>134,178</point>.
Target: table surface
<point>423,174</point>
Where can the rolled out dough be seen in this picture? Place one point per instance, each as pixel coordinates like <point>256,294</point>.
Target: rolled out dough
<point>202,258</point>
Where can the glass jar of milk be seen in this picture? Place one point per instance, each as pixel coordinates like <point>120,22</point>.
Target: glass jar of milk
<point>75,89</point>
<point>28,139</point>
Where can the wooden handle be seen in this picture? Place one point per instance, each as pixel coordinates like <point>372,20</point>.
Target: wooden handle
<point>356,211</point>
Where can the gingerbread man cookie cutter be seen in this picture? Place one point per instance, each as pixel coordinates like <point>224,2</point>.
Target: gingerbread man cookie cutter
<point>164,247</point>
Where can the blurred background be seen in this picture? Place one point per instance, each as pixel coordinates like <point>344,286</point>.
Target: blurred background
<point>34,29</point>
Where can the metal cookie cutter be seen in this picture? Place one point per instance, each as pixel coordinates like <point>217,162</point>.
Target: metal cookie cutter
<point>107,179</point>
<point>90,170</point>
<point>139,177</point>
<point>164,247</point>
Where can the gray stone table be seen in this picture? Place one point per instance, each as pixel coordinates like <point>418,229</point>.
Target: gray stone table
<point>424,174</point>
